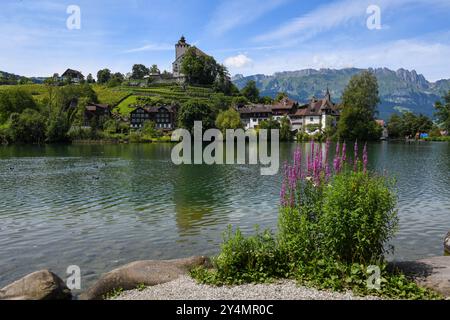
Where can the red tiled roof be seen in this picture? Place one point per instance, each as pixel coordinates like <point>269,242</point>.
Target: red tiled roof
<point>284,104</point>
<point>258,108</point>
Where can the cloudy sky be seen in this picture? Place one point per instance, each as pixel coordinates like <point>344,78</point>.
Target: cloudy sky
<point>249,36</point>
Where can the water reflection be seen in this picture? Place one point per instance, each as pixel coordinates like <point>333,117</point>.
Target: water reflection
<point>100,206</point>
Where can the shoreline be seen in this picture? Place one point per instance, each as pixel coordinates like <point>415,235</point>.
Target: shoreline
<point>186,288</point>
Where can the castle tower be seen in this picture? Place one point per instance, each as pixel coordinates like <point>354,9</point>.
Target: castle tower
<point>181,47</point>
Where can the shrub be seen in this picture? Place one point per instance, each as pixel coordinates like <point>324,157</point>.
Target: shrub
<point>335,221</point>
<point>359,217</point>
<point>245,259</point>
<point>27,127</point>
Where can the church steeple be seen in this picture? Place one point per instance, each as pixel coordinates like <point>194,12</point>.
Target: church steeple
<point>328,95</point>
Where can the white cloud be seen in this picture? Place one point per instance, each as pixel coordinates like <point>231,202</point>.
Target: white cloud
<point>333,15</point>
<point>233,13</point>
<point>151,47</point>
<point>239,61</point>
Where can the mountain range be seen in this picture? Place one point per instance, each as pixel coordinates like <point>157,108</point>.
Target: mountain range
<point>400,90</point>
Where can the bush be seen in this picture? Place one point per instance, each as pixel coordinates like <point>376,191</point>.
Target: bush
<point>14,100</point>
<point>335,222</point>
<point>27,127</point>
<point>359,217</point>
<point>245,259</point>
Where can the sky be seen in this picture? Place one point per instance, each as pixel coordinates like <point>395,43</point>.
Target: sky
<point>40,38</point>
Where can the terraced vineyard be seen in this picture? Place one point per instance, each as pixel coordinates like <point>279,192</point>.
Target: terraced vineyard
<point>110,96</point>
<point>162,94</point>
<point>124,99</point>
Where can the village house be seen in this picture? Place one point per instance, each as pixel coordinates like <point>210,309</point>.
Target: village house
<point>96,113</point>
<point>252,115</point>
<point>164,117</point>
<point>283,108</point>
<point>72,76</point>
<point>180,50</point>
<point>312,117</point>
<point>316,115</point>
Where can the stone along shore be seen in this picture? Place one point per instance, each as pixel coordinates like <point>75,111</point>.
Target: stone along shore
<point>168,279</point>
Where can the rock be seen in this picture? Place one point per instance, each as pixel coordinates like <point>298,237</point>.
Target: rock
<point>432,273</point>
<point>39,285</point>
<point>447,243</point>
<point>149,273</point>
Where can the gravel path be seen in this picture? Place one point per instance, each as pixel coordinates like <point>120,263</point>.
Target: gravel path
<point>185,288</point>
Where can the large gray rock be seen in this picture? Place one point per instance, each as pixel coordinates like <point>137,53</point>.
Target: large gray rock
<point>432,273</point>
<point>149,273</point>
<point>39,285</point>
<point>447,243</point>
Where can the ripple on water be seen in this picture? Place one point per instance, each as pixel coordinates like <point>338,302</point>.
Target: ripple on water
<point>102,206</point>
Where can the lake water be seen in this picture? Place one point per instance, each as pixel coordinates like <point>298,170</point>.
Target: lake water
<point>101,206</point>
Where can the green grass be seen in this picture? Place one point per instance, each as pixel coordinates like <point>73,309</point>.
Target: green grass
<point>38,91</point>
<point>122,97</point>
<point>110,96</point>
<point>166,93</point>
<point>124,108</point>
<point>443,139</point>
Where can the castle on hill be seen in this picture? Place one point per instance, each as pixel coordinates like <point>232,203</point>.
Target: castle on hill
<point>180,50</point>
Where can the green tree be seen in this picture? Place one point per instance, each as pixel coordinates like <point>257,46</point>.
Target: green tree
<point>65,108</point>
<point>103,76</point>
<point>251,92</point>
<point>239,101</point>
<point>395,126</point>
<point>154,69</point>
<point>266,100</point>
<point>14,100</point>
<point>280,96</point>
<point>223,82</point>
<point>269,124</point>
<point>443,112</point>
<point>285,129</point>
<point>139,71</point>
<point>27,127</point>
<point>359,107</point>
<point>408,124</point>
<point>116,79</point>
<point>150,129</point>
<point>195,110</point>
<point>199,68</point>
<point>219,102</point>
<point>90,78</point>
<point>229,119</point>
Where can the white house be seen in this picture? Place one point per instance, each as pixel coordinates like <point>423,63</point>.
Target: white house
<point>252,115</point>
<point>316,115</point>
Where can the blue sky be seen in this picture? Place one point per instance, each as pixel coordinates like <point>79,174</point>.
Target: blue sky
<point>249,36</point>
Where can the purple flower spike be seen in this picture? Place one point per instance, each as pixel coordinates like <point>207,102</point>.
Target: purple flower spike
<point>355,165</point>
<point>344,152</point>
<point>365,158</point>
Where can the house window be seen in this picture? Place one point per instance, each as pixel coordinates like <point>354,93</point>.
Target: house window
<point>311,119</point>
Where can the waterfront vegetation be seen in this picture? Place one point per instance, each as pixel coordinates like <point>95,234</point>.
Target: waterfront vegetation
<point>53,112</point>
<point>335,224</point>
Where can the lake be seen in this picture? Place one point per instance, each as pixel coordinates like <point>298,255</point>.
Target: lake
<point>101,206</point>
